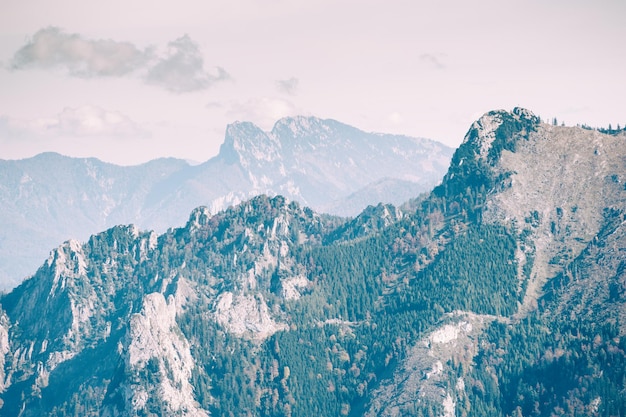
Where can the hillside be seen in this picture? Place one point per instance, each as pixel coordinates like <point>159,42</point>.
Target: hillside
<point>501,294</point>
<point>323,164</point>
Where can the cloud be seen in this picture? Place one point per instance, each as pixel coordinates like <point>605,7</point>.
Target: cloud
<point>432,60</point>
<point>182,70</point>
<point>84,121</point>
<point>94,121</point>
<point>289,86</point>
<point>214,105</point>
<point>395,118</point>
<point>52,48</point>
<point>263,111</point>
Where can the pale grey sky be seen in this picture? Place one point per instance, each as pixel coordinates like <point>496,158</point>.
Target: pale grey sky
<point>130,81</point>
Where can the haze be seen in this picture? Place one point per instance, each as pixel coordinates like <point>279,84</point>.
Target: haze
<point>129,82</point>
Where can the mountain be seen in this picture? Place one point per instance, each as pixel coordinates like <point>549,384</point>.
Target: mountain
<point>502,293</point>
<point>49,198</point>
<point>323,164</point>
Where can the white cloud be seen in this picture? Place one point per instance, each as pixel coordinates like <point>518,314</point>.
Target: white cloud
<point>182,70</point>
<point>214,105</point>
<point>263,111</point>
<point>395,118</point>
<point>94,121</point>
<point>52,48</point>
<point>433,61</point>
<point>289,86</point>
<point>84,121</point>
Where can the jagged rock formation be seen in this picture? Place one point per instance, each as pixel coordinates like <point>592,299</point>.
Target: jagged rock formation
<point>501,293</point>
<point>323,164</point>
<point>104,303</point>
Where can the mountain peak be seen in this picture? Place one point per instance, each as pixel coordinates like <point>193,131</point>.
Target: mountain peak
<point>474,161</point>
<point>199,217</point>
<point>303,126</point>
<point>255,307</point>
<point>496,129</point>
<point>238,127</point>
<point>297,121</point>
<point>244,141</point>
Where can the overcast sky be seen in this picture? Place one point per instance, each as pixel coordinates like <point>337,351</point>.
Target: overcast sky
<point>128,81</point>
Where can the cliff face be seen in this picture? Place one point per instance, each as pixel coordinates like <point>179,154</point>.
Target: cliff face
<point>157,363</point>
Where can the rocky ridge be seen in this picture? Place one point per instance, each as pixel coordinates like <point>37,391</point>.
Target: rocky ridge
<point>560,189</point>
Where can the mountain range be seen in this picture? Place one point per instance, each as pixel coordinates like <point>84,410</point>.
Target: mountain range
<point>323,164</point>
<point>500,293</point>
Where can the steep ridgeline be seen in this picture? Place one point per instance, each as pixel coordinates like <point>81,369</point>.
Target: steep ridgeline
<point>501,294</point>
<point>332,167</point>
<point>323,164</point>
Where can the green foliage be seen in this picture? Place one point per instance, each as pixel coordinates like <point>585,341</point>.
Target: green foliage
<point>547,365</point>
<point>568,357</point>
<point>355,323</point>
<point>476,266</point>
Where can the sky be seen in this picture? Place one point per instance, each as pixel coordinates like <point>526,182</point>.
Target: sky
<point>129,81</point>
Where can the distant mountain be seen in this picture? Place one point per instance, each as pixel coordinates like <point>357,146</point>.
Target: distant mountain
<point>323,164</point>
<point>502,293</point>
<point>50,198</point>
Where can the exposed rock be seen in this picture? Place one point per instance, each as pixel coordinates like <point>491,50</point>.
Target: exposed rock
<point>4,350</point>
<point>246,315</point>
<point>159,360</point>
<point>422,378</point>
<point>254,309</point>
<point>293,287</point>
<point>560,181</point>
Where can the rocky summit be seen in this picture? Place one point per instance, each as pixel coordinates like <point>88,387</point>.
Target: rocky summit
<point>501,293</point>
